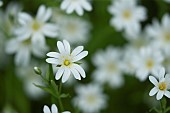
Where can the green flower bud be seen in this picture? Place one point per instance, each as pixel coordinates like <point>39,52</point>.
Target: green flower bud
<point>37,70</point>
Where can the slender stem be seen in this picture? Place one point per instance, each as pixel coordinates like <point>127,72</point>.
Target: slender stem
<point>59,98</point>
<point>60,104</point>
<point>163,105</point>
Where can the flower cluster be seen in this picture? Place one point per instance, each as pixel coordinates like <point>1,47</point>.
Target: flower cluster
<point>126,45</point>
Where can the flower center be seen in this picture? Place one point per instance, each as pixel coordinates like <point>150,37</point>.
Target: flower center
<point>71,28</point>
<point>67,62</point>
<point>127,14</point>
<point>91,99</point>
<point>150,63</point>
<point>167,37</point>
<point>111,67</point>
<point>162,86</point>
<point>36,26</point>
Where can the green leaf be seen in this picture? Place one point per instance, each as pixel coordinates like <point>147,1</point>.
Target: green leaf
<point>47,89</point>
<point>54,87</point>
<point>154,109</point>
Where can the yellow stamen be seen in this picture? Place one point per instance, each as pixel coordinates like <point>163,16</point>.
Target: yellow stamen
<point>167,37</point>
<point>150,63</point>
<point>162,86</point>
<point>127,14</point>
<point>36,26</point>
<point>66,62</point>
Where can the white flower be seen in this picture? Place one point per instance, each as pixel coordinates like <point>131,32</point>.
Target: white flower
<point>76,5</point>
<point>160,33</point>
<point>127,16</point>
<point>90,98</point>
<point>73,29</point>
<point>1,3</point>
<point>66,60</point>
<point>145,62</point>
<point>36,28</point>
<point>127,65</point>
<point>54,109</point>
<point>108,67</point>
<point>23,50</point>
<point>161,87</point>
<point>168,1</point>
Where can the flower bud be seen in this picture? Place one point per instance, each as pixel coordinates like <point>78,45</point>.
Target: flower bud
<point>37,70</point>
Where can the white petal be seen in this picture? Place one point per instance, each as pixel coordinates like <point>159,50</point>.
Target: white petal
<point>75,73</point>
<point>64,4</point>
<point>159,95</point>
<point>66,75</point>
<point>22,57</point>
<point>66,112</point>
<point>59,73</point>
<point>53,54</point>
<point>12,46</point>
<point>161,72</point>
<point>153,91</point>
<point>52,61</point>
<point>66,46</point>
<point>167,94</point>
<point>47,15</point>
<point>61,47</point>
<point>24,18</point>
<point>70,8</point>
<point>41,12</point>
<point>153,80</point>
<point>142,74</point>
<point>25,35</point>
<point>80,70</point>
<point>80,56</point>
<point>79,10</point>
<point>54,108</point>
<point>50,30</point>
<point>46,109</point>
<point>86,5</point>
<point>77,50</point>
<point>38,38</point>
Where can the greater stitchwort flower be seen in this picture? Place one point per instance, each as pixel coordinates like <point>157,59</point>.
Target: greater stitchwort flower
<point>66,60</point>
<point>36,28</point>
<point>162,86</point>
<point>54,109</point>
<point>76,5</point>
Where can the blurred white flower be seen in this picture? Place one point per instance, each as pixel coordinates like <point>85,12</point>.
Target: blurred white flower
<point>160,33</point>
<point>29,78</point>
<point>127,65</point>
<point>54,109</point>
<point>161,87</point>
<point>90,98</point>
<point>12,10</point>
<point>108,67</point>
<point>1,3</point>
<point>127,16</point>
<point>146,60</point>
<point>23,50</point>
<point>8,109</point>
<point>168,1</point>
<point>36,28</point>
<point>74,29</point>
<point>67,61</point>
<point>76,5</point>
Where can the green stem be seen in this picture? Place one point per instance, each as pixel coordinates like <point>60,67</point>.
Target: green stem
<point>59,98</point>
<point>163,105</point>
